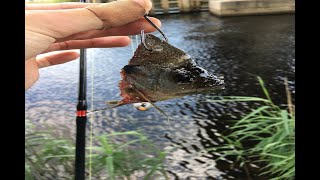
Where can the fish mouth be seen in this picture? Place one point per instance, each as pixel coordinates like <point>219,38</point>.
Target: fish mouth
<point>188,89</point>
<point>215,85</point>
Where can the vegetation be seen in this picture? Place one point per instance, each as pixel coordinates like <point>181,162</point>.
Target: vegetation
<point>125,159</point>
<point>48,156</point>
<point>271,130</point>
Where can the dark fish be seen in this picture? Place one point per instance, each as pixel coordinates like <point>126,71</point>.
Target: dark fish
<point>161,73</point>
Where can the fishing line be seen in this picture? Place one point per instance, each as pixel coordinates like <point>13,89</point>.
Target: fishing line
<point>137,42</point>
<point>91,119</point>
<point>132,48</point>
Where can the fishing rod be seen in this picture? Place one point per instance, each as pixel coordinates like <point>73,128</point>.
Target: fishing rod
<point>81,119</point>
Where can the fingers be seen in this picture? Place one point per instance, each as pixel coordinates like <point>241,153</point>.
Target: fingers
<point>134,28</point>
<point>31,72</point>
<point>33,65</point>
<point>103,42</point>
<point>51,59</point>
<point>62,23</point>
<point>43,27</point>
<point>56,6</point>
<point>129,29</point>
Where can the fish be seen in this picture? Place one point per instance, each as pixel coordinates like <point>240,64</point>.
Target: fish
<point>162,72</point>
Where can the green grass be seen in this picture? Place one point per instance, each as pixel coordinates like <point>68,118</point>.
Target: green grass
<point>271,129</point>
<point>47,155</point>
<point>116,155</point>
<point>124,159</point>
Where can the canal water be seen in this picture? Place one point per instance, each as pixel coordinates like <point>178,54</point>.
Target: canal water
<point>236,47</point>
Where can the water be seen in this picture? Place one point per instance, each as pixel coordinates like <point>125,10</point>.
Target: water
<point>234,47</point>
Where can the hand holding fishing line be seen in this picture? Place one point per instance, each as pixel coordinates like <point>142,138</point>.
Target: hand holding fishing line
<point>64,26</point>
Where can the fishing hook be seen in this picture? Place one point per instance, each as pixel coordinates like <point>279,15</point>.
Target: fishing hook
<point>158,29</point>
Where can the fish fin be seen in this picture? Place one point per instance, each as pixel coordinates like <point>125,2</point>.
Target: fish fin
<point>114,103</point>
<point>161,111</point>
<point>174,56</point>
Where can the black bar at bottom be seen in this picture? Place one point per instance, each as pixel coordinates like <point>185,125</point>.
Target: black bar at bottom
<point>80,148</point>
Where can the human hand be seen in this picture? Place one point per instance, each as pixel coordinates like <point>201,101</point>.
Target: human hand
<point>64,26</point>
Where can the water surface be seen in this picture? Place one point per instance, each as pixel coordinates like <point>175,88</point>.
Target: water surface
<point>235,47</point>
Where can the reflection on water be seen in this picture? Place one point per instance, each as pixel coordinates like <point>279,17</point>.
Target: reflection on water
<point>234,47</point>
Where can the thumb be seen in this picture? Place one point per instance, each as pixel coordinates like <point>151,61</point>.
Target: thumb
<point>43,27</point>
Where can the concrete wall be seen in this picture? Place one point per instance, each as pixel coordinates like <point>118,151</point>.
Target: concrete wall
<point>166,5</point>
<point>250,7</point>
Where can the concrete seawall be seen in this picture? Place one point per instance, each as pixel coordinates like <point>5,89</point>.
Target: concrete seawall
<point>220,7</point>
<point>250,7</point>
